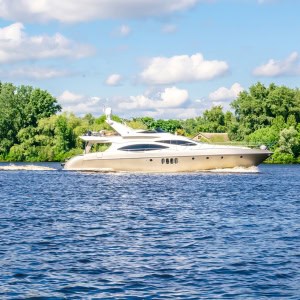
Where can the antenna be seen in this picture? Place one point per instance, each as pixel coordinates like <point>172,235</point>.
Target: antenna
<point>108,113</point>
<point>105,107</point>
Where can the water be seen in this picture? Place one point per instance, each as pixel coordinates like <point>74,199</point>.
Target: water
<point>69,235</point>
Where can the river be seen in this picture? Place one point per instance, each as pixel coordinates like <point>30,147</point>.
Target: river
<point>212,235</point>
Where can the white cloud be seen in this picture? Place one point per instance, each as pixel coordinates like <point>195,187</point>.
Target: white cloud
<point>68,97</point>
<point>113,79</point>
<point>226,94</point>
<point>124,30</point>
<point>83,10</point>
<point>172,113</point>
<point>182,68</point>
<point>286,67</point>
<point>169,28</point>
<point>170,103</point>
<point>16,45</point>
<point>169,98</point>
<point>35,73</point>
<point>80,104</point>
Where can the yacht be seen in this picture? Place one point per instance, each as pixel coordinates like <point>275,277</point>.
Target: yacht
<point>155,151</point>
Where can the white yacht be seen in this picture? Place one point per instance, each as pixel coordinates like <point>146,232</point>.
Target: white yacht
<point>155,151</point>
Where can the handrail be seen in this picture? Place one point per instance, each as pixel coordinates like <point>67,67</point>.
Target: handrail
<point>242,143</point>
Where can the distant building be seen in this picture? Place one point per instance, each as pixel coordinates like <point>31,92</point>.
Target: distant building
<point>211,137</point>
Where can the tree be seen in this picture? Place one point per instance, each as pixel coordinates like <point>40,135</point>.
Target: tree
<point>22,107</point>
<point>289,146</point>
<point>148,121</point>
<point>288,141</point>
<point>261,105</point>
<point>40,105</point>
<point>168,125</point>
<point>214,120</point>
<point>136,123</point>
<point>190,127</point>
<point>9,117</point>
<point>250,109</point>
<point>89,118</point>
<point>64,138</point>
<point>268,136</point>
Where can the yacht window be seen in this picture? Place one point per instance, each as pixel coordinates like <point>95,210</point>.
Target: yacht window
<point>178,142</point>
<point>142,147</point>
<point>167,161</point>
<point>159,130</point>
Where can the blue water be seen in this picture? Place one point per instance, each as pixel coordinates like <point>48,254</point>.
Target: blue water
<point>69,235</point>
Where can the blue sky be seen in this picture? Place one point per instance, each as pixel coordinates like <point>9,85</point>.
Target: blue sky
<point>159,58</point>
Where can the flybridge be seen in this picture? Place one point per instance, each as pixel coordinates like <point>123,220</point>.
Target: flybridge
<point>127,132</point>
<point>124,133</point>
<point>122,129</point>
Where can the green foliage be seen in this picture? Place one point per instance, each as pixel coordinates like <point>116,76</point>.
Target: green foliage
<point>65,140</point>
<point>268,136</point>
<point>136,124</point>
<point>283,158</point>
<point>190,127</point>
<point>16,153</point>
<point>148,122</point>
<point>289,141</point>
<point>89,119</point>
<point>100,120</point>
<point>21,107</point>
<point>116,118</point>
<point>31,129</point>
<point>261,105</point>
<point>168,125</point>
<point>214,120</point>
<point>39,105</point>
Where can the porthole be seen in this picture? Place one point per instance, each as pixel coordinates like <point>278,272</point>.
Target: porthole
<point>207,157</point>
<point>167,161</point>
<point>222,157</point>
<point>151,159</point>
<point>162,160</point>
<point>241,156</point>
<point>176,160</point>
<point>171,160</point>
<point>193,158</point>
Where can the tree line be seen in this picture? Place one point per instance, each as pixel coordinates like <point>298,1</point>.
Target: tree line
<point>33,129</point>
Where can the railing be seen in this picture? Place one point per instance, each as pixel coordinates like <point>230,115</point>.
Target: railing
<point>242,143</point>
<point>99,133</point>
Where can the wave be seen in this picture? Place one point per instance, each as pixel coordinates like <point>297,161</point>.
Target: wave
<point>252,169</point>
<point>13,167</point>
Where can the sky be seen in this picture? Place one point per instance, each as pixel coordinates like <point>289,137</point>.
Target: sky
<point>158,58</point>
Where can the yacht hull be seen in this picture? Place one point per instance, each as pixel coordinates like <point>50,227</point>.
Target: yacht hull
<point>167,162</point>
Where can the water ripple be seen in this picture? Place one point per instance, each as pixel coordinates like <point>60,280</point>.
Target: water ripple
<point>70,235</point>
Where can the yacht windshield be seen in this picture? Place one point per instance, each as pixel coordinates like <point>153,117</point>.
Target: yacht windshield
<point>142,147</point>
<point>159,130</point>
<point>177,142</point>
